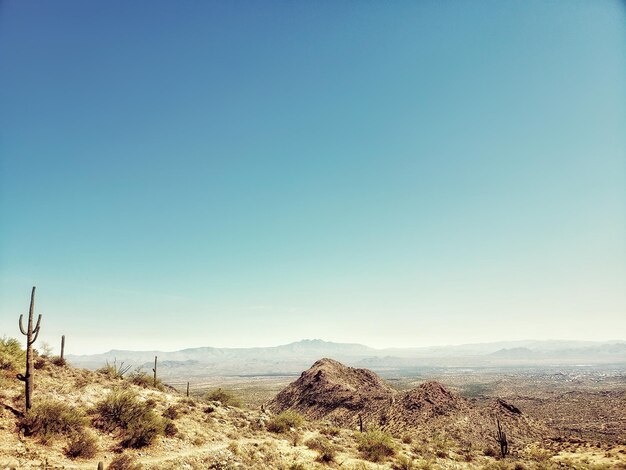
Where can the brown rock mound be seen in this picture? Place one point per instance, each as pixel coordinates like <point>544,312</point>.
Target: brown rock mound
<point>333,391</point>
<point>431,399</point>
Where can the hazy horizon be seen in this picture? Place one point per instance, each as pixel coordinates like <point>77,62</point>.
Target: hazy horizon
<point>616,341</point>
<point>403,174</point>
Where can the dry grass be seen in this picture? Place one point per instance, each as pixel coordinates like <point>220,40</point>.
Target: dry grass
<point>404,462</point>
<point>326,450</point>
<point>285,421</point>
<point>142,379</point>
<point>113,371</point>
<point>49,419</point>
<point>376,445</point>
<point>122,410</point>
<point>81,444</point>
<point>171,412</point>
<point>58,361</point>
<point>225,397</point>
<point>124,462</point>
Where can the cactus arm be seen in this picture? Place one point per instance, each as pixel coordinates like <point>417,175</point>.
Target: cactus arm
<point>36,331</point>
<point>24,332</point>
<point>35,335</point>
<point>38,323</point>
<point>21,377</point>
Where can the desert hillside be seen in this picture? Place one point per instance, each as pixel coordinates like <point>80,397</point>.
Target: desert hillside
<point>120,418</point>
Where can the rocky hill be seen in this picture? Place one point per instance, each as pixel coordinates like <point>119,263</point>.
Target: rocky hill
<point>333,391</point>
<point>345,396</point>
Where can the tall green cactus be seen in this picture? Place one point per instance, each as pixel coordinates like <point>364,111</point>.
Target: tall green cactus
<point>31,336</point>
<point>502,440</point>
<point>155,371</point>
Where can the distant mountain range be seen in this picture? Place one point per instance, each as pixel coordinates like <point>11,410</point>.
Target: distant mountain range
<point>295,357</point>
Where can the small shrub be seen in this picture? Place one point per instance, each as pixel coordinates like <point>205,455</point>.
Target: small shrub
<point>225,397</point>
<point>223,459</point>
<point>143,431</point>
<point>113,371</point>
<point>122,410</point>
<point>403,463</point>
<point>295,438</point>
<point>421,448</point>
<point>124,462</point>
<point>360,466</point>
<point>234,448</point>
<point>326,449</point>
<point>83,380</point>
<point>171,412</point>
<point>140,378</point>
<point>58,361</point>
<point>539,454</point>
<point>441,446</point>
<point>81,444</point>
<point>118,409</point>
<point>502,465</point>
<point>198,440</point>
<point>188,401</point>
<point>407,439</point>
<point>170,429</point>
<point>39,363</point>
<point>330,431</point>
<point>489,452</point>
<point>151,403</point>
<point>12,356</point>
<point>49,419</point>
<point>285,421</point>
<point>376,445</point>
<point>425,464</point>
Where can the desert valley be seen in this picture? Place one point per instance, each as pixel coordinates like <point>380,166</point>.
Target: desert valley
<point>255,411</point>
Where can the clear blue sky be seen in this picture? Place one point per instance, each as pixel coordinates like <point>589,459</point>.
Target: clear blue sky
<point>236,173</point>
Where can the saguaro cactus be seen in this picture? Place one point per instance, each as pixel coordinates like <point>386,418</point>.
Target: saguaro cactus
<point>62,346</point>
<point>31,336</point>
<point>155,370</point>
<point>187,389</point>
<point>502,440</point>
